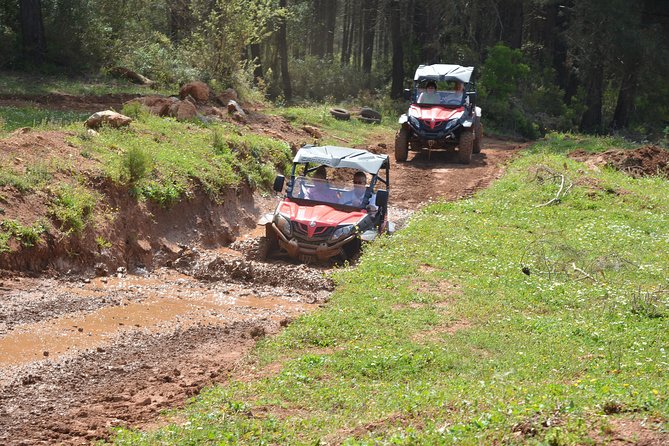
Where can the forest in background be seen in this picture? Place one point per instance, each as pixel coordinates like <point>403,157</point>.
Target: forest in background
<point>597,66</point>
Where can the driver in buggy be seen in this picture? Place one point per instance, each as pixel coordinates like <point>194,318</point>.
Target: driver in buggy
<point>321,190</point>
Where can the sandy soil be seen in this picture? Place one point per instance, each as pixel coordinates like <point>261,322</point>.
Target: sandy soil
<point>83,352</point>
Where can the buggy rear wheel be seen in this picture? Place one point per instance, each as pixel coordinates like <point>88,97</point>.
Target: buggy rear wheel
<point>466,146</point>
<point>478,135</point>
<point>402,145</point>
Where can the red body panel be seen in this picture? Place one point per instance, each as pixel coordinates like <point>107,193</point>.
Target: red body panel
<point>435,114</point>
<point>321,215</point>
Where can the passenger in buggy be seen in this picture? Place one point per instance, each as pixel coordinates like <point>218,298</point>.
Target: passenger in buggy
<point>321,189</point>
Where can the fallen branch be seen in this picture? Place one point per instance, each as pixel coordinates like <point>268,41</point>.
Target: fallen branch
<point>561,192</point>
<point>340,139</point>
<point>585,275</point>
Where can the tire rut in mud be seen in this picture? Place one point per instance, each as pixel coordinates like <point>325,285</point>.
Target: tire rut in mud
<point>217,303</point>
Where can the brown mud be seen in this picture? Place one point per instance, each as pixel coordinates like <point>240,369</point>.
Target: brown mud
<point>113,337</point>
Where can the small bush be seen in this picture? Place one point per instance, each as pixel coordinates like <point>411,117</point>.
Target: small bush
<point>135,163</point>
<point>648,303</point>
<point>136,110</point>
<point>163,193</point>
<point>72,207</point>
<point>27,235</point>
<point>102,242</point>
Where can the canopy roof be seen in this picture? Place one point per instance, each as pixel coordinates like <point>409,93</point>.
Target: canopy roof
<point>441,72</point>
<point>334,156</point>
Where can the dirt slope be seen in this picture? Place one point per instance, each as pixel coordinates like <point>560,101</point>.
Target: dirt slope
<point>80,354</point>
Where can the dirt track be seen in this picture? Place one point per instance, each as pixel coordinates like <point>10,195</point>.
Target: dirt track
<point>79,355</point>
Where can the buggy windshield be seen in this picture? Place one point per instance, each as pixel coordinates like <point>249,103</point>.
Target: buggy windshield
<point>328,192</point>
<point>447,93</point>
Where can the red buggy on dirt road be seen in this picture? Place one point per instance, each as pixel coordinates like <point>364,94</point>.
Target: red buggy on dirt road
<point>443,114</point>
<point>321,219</point>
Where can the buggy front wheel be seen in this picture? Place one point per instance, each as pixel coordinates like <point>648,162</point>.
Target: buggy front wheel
<point>402,145</point>
<point>466,146</point>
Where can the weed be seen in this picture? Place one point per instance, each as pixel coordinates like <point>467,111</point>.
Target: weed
<point>136,110</point>
<point>135,163</point>
<point>649,304</point>
<point>102,242</point>
<point>28,236</point>
<point>72,207</point>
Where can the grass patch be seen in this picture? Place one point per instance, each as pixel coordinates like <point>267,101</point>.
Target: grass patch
<point>34,177</point>
<point>339,133</point>
<point>27,236</point>
<point>23,84</point>
<point>12,118</point>
<point>164,160</point>
<point>72,207</point>
<point>562,316</point>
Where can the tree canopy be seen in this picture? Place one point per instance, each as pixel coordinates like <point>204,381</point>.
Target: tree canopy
<point>597,66</point>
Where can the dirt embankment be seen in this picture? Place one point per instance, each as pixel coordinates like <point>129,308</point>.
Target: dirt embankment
<point>111,336</point>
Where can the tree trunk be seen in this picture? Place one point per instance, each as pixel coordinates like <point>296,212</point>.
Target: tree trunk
<point>180,19</point>
<point>347,28</point>
<point>398,50</point>
<point>512,23</point>
<point>369,27</point>
<point>591,122</point>
<point>283,56</point>
<point>32,30</point>
<point>318,28</point>
<point>625,103</point>
<point>255,57</point>
<point>330,25</point>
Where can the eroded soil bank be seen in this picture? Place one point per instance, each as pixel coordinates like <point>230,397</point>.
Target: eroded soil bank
<point>84,351</point>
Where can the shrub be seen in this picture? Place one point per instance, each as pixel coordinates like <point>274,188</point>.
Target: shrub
<point>135,163</point>
<point>136,110</point>
<point>27,235</point>
<point>72,207</point>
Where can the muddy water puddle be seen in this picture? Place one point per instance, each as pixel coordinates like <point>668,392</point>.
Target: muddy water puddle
<point>157,304</point>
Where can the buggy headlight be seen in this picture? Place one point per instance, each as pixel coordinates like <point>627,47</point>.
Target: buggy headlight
<point>283,224</point>
<point>343,231</point>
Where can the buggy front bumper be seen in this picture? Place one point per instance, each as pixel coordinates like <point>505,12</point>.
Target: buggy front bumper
<point>296,248</point>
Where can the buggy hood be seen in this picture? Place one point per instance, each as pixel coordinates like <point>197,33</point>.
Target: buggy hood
<point>320,215</point>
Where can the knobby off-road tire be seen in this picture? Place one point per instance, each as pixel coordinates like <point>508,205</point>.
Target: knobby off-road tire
<point>340,113</point>
<point>401,145</point>
<point>466,146</point>
<point>478,136</point>
<point>269,245</point>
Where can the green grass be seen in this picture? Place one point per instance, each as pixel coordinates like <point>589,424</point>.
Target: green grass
<point>439,337</point>
<point>72,207</point>
<point>165,160</point>
<point>12,118</point>
<point>27,236</point>
<point>34,177</point>
<point>339,133</point>
<point>22,84</point>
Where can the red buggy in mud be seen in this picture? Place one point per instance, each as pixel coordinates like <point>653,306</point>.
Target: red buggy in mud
<point>321,219</point>
<point>447,120</point>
